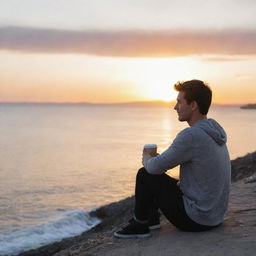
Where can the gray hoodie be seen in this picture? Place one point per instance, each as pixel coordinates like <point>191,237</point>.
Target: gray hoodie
<point>205,170</point>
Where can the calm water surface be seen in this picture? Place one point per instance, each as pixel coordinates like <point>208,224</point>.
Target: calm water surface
<point>59,161</point>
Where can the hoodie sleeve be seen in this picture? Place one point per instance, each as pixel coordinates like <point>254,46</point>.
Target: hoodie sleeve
<point>178,153</point>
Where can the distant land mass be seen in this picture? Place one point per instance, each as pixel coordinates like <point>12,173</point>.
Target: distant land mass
<point>248,106</point>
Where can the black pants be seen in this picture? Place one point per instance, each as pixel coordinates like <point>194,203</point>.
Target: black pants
<point>161,191</point>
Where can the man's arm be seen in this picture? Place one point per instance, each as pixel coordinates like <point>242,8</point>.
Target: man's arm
<point>178,153</point>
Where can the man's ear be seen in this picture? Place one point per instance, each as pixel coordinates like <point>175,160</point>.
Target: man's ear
<point>194,105</point>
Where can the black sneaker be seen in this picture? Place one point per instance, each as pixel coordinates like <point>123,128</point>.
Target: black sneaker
<point>133,230</point>
<point>154,223</point>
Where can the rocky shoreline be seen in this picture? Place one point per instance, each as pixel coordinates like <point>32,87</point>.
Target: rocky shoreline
<point>99,240</point>
<point>243,167</point>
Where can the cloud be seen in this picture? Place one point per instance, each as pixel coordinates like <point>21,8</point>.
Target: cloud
<point>226,58</point>
<point>136,43</point>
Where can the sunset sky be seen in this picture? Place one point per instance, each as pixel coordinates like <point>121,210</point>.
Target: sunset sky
<point>120,51</point>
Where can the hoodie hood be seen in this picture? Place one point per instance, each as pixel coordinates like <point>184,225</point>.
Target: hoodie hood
<point>213,129</point>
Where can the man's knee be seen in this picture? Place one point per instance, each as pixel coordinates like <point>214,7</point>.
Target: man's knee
<point>143,175</point>
<point>142,172</point>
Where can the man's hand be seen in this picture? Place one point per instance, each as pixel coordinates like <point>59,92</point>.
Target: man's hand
<point>146,156</point>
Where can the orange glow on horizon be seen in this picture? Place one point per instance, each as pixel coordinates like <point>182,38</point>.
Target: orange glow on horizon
<point>82,78</point>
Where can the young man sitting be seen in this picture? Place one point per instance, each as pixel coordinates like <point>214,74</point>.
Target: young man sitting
<point>199,200</point>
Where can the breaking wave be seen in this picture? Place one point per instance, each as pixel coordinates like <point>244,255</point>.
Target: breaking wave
<point>67,224</point>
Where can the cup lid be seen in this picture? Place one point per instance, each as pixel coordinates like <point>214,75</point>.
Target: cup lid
<point>150,146</point>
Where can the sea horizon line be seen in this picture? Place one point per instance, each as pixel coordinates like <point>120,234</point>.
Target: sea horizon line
<point>154,102</point>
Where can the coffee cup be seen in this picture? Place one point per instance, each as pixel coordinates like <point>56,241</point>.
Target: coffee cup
<point>151,149</point>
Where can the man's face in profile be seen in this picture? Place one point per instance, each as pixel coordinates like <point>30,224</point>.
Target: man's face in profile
<point>183,109</point>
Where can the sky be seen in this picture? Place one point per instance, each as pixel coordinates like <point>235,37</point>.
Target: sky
<point>111,51</point>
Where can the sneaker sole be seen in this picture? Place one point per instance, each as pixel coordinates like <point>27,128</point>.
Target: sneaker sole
<point>158,226</point>
<point>132,235</point>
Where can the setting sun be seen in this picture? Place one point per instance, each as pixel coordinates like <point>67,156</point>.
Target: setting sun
<point>164,93</point>
<point>155,77</point>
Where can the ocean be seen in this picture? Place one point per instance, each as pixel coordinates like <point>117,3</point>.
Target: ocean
<point>60,161</point>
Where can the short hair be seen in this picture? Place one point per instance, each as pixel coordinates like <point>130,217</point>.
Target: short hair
<point>198,91</point>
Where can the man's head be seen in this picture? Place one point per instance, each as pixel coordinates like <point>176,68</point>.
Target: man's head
<point>194,99</point>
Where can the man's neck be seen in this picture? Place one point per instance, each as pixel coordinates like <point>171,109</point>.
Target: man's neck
<point>196,118</point>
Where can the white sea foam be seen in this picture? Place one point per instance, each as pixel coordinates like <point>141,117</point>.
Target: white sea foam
<point>67,224</point>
